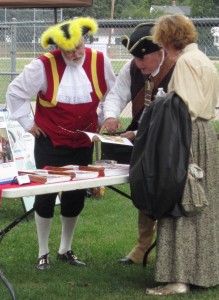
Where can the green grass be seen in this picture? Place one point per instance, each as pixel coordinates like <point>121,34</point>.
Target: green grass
<point>217,65</point>
<point>106,231</point>
<point>216,126</point>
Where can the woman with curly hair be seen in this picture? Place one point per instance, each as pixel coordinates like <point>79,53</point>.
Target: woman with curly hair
<point>188,246</point>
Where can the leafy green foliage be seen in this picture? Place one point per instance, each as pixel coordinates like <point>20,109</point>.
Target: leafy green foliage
<point>102,9</point>
<point>203,8</point>
<point>140,8</point>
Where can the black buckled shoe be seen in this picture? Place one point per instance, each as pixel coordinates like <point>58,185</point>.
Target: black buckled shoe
<point>126,261</point>
<point>43,262</point>
<point>70,258</point>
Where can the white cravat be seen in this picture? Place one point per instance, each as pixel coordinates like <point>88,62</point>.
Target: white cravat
<point>75,87</point>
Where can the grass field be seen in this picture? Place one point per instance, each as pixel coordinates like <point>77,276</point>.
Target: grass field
<point>106,231</point>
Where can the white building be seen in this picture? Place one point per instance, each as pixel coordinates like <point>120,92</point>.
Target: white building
<point>215,33</point>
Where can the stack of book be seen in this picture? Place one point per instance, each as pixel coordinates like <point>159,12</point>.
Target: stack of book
<point>71,172</point>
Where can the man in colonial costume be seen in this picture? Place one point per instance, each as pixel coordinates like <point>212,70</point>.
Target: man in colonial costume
<point>69,83</point>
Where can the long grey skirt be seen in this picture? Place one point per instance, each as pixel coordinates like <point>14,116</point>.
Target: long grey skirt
<point>188,247</point>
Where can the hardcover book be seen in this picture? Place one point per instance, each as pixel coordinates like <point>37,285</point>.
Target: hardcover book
<point>49,178</point>
<point>112,169</point>
<point>79,174</point>
<point>43,176</point>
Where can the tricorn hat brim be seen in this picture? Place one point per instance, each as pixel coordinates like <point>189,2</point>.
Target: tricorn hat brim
<point>140,41</point>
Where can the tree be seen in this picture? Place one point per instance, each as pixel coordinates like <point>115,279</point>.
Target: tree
<point>203,8</point>
<point>125,9</point>
<point>100,10</point>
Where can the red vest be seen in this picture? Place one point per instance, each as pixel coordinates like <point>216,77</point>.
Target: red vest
<point>61,121</point>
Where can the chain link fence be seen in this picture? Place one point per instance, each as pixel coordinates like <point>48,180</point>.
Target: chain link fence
<point>20,42</point>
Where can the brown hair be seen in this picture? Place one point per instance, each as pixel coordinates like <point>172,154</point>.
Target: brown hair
<point>175,30</point>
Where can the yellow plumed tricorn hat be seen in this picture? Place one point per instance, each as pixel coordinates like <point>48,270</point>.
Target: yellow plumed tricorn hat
<point>67,35</point>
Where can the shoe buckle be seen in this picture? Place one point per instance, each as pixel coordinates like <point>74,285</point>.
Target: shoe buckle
<point>73,256</point>
<point>43,261</point>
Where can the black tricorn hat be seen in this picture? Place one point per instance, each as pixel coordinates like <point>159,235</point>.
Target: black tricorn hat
<point>140,41</point>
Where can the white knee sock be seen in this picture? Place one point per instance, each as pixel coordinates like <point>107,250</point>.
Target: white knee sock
<point>43,226</point>
<point>68,227</point>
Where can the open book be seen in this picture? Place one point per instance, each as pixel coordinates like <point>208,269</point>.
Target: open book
<point>112,139</point>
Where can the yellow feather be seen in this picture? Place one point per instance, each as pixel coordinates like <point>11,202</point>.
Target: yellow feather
<point>75,29</point>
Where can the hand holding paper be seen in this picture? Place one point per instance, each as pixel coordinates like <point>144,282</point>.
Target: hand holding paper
<point>112,139</point>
